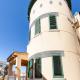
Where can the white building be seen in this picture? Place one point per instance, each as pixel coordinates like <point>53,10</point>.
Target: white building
<point>53,47</point>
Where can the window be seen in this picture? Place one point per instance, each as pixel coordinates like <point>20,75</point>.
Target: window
<point>38,68</point>
<point>52,20</point>
<point>30,69</point>
<point>57,66</point>
<point>37,26</point>
<point>29,35</point>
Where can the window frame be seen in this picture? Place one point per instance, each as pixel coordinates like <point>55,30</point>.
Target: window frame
<point>37,22</point>
<point>55,22</point>
<point>62,73</point>
<point>40,76</point>
<point>29,69</point>
<point>29,34</point>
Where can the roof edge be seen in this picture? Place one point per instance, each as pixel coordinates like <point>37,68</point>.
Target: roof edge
<point>30,7</point>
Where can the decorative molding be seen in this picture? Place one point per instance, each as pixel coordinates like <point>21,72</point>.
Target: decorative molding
<point>43,16</point>
<point>47,54</point>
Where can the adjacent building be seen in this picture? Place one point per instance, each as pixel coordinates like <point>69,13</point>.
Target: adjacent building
<point>77,19</point>
<point>16,60</point>
<point>2,69</point>
<point>54,49</point>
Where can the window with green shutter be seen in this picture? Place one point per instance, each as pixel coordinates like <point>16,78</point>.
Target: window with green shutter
<point>37,27</point>
<point>38,68</point>
<point>30,69</point>
<point>29,35</point>
<point>57,66</point>
<point>52,21</point>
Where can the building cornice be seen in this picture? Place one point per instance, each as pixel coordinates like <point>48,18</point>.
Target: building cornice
<point>32,2</point>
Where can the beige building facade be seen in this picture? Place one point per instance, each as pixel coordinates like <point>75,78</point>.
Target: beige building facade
<point>54,49</point>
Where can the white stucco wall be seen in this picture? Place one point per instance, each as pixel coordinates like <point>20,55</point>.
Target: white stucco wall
<point>71,66</point>
<point>47,64</point>
<point>36,10</point>
<point>62,39</point>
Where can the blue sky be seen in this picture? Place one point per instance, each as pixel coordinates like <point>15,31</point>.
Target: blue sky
<point>14,25</point>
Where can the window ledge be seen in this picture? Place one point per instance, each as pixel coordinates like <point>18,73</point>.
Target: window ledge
<point>54,30</point>
<point>58,78</point>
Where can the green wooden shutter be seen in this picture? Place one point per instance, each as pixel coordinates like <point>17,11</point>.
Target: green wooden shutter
<point>57,66</point>
<point>37,26</point>
<point>29,35</point>
<point>30,69</point>
<point>52,20</point>
<point>38,68</point>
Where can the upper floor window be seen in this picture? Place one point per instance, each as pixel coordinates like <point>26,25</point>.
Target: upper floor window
<point>57,66</point>
<point>52,21</point>
<point>29,35</point>
<point>38,68</point>
<point>37,26</point>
